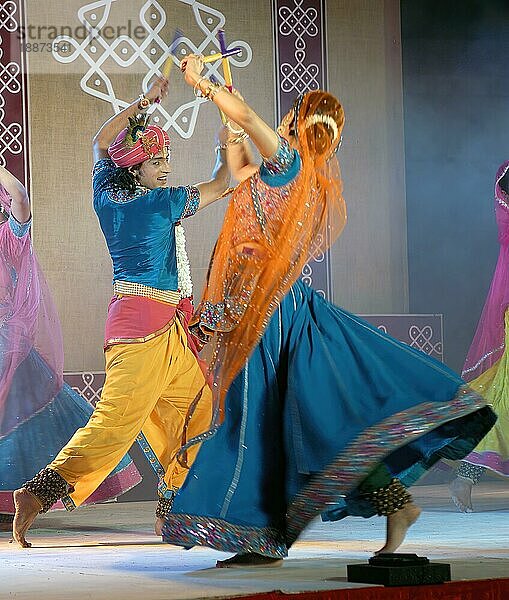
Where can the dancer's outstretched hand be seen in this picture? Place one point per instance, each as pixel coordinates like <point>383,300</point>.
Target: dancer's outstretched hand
<point>158,90</point>
<point>192,66</point>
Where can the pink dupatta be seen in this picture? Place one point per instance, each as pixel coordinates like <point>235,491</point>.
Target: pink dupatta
<point>28,322</point>
<point>488,344</point>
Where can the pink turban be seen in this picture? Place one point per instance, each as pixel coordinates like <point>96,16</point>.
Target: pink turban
<point>138,143</point>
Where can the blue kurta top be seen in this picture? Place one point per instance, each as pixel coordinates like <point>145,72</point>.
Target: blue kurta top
<point>139,227</point>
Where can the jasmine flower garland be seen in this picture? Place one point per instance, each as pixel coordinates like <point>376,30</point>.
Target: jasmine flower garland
<point>185,282</point>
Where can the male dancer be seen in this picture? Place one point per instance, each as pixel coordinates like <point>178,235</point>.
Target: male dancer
<point>153,378</point>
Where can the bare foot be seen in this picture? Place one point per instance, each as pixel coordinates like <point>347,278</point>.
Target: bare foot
<point>397,526</point>
<point>250,559</point>
<point>158,527</point>
<point>461,494</point>
<point>27,508</point>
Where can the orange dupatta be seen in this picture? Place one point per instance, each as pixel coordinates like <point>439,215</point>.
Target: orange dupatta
<point>268,235</point>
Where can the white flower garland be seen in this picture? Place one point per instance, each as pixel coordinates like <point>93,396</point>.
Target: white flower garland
<point>185,282</point>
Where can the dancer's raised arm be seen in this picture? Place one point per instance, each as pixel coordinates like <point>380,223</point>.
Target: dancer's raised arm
<point>239,153</point>
<point>113,126</point>
<point>263,136</point>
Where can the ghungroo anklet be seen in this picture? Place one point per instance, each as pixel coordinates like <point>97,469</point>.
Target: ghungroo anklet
<point>389,499</point>
<point>48,487</point>
<point>471,472</point>
<point>164,506</point>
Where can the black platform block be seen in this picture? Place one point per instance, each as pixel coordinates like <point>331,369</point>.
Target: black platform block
<point>399,569</point>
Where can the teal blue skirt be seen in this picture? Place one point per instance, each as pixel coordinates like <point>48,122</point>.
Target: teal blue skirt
<point>324,399</point>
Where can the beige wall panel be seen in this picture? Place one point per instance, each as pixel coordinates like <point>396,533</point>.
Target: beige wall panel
<point>369,262</point>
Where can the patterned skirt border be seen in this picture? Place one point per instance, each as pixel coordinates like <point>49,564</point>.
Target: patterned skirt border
<point>345,473</point>
<point>111,488</point>
<point>489,460</point>
<point>191,530</point>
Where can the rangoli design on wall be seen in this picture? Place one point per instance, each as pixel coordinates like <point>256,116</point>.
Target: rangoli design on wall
<point>299,22</point>
<point>152,51</point>
<point>423,332</point>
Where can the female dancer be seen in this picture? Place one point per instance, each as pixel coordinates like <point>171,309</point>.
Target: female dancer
<point>487,365</point>
<point>325,413</point>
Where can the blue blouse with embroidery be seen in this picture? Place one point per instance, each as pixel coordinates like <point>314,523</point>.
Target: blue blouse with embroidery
<point>139,227</point>
<point>20,230</point>
<point>283,167</point>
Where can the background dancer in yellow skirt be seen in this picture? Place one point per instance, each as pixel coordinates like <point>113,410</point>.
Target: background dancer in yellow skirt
<point>487,364</point>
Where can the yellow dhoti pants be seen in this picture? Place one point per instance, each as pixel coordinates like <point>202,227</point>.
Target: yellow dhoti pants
<point>149,387</point>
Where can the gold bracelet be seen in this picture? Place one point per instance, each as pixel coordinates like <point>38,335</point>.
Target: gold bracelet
<point>197,88</point>
<point>232,130</point>
<point>212,90</point>
<point>235,140</point>
<point>238,139</point>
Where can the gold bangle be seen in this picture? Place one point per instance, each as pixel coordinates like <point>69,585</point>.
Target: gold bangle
<point>238,139</point>
<point>212,90</point>
<point>197,88</point>
<point>235,140</point>
<point>233,130</point>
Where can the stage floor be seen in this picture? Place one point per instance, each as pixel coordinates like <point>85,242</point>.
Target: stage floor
<point>109,552</point>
